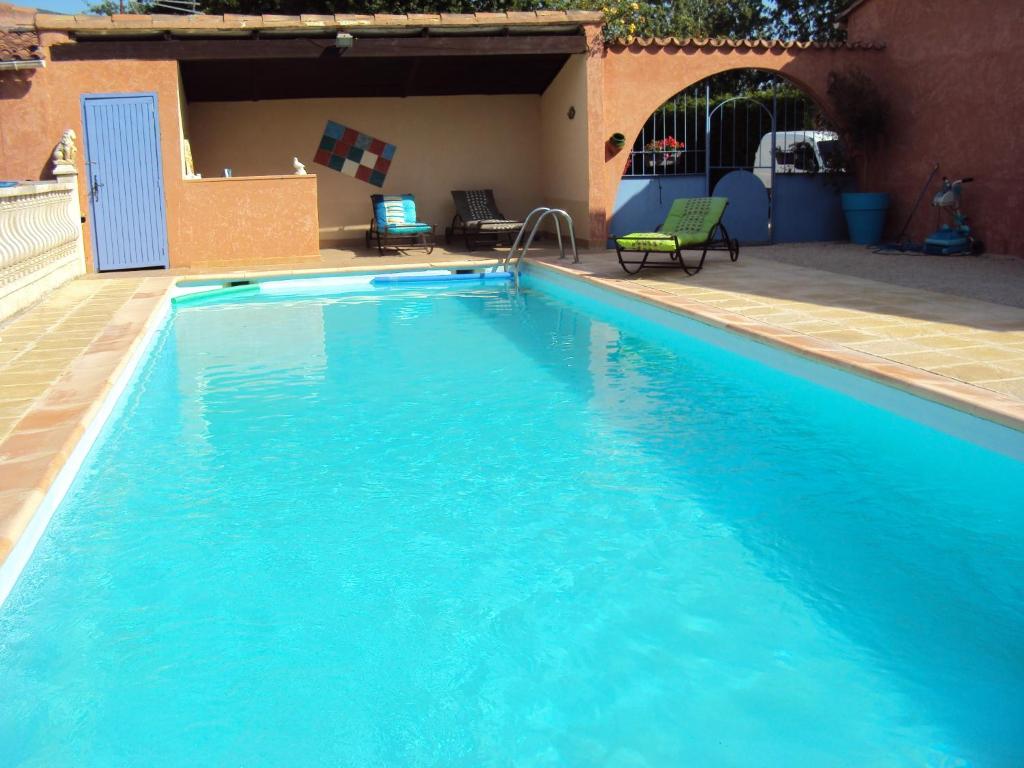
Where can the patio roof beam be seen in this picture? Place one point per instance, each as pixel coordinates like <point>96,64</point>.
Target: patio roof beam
<point>316,47</point>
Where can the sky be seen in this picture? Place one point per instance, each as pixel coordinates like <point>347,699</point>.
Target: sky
<point>56,6</point>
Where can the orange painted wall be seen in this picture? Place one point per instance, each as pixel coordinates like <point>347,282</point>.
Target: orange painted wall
<point>240,222</point>
<point>443,143</point>
<point>953,78</point>
<point>37,106</point>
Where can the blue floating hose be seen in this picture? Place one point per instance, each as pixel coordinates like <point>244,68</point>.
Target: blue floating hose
<point>442,278</point>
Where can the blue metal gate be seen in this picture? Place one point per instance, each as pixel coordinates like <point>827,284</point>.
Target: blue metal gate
<point>125,177</point>
<point>733,173</point>
<point>757,149</point>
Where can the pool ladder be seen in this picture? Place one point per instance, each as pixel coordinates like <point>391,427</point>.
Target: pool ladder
<point>519,248</point>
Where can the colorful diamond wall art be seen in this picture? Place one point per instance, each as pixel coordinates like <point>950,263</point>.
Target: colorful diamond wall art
<point>354,154</point>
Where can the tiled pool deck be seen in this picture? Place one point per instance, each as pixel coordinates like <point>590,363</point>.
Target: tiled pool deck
<point>59,359</point>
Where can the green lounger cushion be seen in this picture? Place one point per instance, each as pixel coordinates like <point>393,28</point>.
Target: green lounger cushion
<point>647,241</point>
<point>691,220</point>
<point>406,229</point>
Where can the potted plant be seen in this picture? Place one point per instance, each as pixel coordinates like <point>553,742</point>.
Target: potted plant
<point>861,114</point>
<point>667,151</point>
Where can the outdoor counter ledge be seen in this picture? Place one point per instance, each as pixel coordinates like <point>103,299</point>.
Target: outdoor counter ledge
<point>295,176</point>
<point>249,219</point>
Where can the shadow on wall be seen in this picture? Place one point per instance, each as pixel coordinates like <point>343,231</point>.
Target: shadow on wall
<point>642,202</point>
<point>16,84</point>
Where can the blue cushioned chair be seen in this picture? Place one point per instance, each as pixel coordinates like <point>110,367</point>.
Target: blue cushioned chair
<point>394,224</point>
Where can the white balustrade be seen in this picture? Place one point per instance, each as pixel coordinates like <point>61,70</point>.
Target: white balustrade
<point>40,233</point>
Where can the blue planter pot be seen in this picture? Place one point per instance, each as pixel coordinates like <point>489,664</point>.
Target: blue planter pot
<point>865,216</point>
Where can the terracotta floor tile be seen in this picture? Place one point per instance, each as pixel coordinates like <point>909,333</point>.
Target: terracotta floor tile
<point>905,330</point>
<point>943,342</point>
<point>42,418</point>
<point>10,408</point>
<point>24,473</point>
<point>889,347</point>
<point>32,376</point>
<point>927,360</point>
<point>30,443</point>
<point>993,353</point>
<point>19,391</point>
<point>1011,387</point>
<point>848,336</point>
<point>974,372</point>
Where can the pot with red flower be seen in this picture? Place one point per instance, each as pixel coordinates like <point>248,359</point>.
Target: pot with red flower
<point>667,151</point>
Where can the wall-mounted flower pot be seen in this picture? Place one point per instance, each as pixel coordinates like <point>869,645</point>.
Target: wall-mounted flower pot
<point>865,216</point>
<point>616,142</point>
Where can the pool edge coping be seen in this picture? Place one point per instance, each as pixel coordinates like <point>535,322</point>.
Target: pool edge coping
<point>21,529</point>
<point>952,393</point>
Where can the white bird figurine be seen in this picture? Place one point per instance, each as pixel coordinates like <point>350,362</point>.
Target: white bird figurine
<point>300,169</point>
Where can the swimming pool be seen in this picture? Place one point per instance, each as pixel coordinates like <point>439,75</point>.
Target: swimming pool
<point>469,526</point>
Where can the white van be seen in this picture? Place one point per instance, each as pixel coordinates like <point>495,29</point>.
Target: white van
<point>796,152</point>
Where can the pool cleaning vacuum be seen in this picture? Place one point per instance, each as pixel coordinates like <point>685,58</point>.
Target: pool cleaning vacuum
<point>955,240</point>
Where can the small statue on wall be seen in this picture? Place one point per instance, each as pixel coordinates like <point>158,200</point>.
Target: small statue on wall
<point>190,167</point>
<point>65,153</point>
<point>300,169</point>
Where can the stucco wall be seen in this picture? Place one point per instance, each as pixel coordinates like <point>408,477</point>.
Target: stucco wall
<point>240,222</point>
<point>953,78</point>
<point>565,177</point>
<point>205,224</point>
<point>37,106</point>
<point>443,143</point>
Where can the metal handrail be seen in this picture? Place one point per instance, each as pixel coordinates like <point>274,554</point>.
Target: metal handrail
<point>537,216</point>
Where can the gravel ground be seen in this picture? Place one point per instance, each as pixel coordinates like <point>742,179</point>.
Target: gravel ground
<point>998,279</point>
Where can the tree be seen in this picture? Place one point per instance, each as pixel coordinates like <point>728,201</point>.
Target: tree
<point>789,19</point>
<point>807,19</point>
<point>718,18</point>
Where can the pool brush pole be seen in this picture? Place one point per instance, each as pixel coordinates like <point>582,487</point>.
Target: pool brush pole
<point>917,204</point>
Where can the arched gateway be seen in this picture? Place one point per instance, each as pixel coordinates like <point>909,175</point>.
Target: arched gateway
<point>639,76</point>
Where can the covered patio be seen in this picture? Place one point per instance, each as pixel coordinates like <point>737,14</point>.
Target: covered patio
<point>442,102</point>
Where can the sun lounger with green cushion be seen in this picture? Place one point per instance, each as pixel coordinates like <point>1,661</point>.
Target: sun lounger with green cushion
<point>692,224</point>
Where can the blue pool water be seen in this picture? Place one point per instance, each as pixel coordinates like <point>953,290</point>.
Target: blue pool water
<point>465,527</point>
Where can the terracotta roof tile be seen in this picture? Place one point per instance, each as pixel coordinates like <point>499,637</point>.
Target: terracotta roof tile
<point>352,19</point>
<point>706,42</point>
<point>458,19</point>
<point>19,45</point>
<point>241,19</point>
<point>171,23</point>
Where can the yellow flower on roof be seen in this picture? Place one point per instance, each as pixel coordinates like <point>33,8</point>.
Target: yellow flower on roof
<point>635,6</point>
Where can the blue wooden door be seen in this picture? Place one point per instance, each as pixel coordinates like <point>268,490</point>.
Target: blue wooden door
<point>125,178</point>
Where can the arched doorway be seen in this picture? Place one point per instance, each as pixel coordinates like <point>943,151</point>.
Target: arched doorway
<point>748,135</point>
